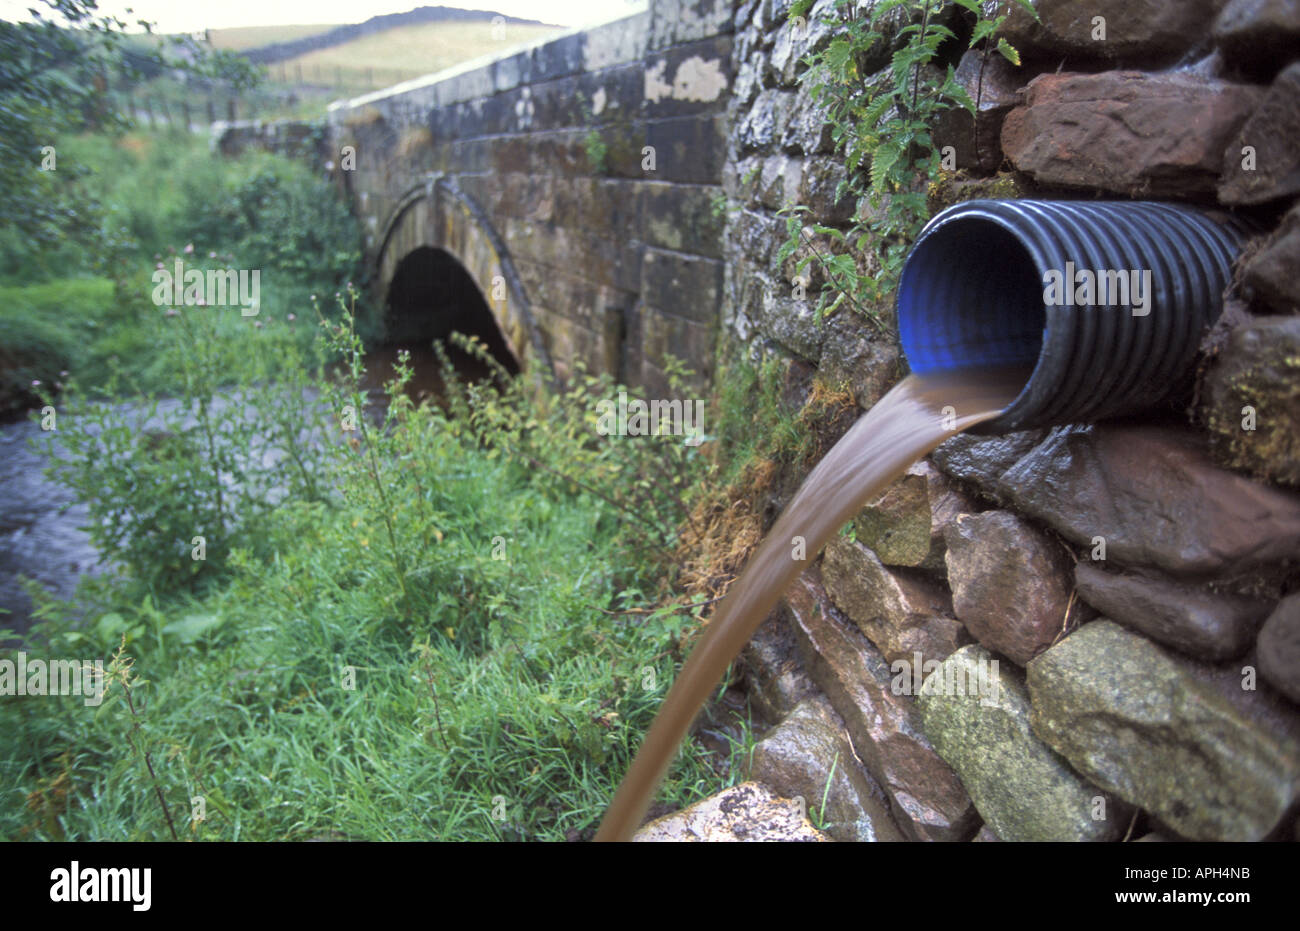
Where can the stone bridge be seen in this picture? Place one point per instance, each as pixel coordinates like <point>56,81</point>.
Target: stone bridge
<point>572,188</point>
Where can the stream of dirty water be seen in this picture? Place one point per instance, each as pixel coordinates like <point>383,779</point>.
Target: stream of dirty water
<point>908,422</point>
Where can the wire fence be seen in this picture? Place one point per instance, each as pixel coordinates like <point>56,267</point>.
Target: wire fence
<point>357,78</point>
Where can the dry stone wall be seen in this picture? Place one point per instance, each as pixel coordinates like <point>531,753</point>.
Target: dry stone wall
<point>1120,598</point>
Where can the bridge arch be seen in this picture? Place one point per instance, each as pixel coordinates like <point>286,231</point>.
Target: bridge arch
<point>431,295</point>
<point>438,237</point>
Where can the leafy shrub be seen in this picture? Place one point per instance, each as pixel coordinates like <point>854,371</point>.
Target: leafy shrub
<point>881,127</point>
<point>208,463</point>
<point>282,219</point>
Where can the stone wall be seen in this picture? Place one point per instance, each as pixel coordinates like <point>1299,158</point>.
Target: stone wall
<point>291,138</point>
<point>1124,598</point>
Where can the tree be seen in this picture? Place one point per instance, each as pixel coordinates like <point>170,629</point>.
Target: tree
<point>55,75</point>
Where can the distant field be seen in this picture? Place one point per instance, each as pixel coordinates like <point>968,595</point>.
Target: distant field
<point>410,50</point>
<point>246,37</point>
<point>302,87</point>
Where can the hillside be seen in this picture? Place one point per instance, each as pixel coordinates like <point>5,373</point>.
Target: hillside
<point>290,49</point>
<point>407,51</point>
<point>244,38</point>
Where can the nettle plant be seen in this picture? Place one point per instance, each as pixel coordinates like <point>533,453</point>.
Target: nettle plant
<point>881,124</point>
<point>170,483</point>
<point>553,435</point>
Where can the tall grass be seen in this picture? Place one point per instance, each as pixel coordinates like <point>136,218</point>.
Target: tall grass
<point>462,638</point>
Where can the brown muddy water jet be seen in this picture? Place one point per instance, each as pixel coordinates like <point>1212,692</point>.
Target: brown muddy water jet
<point>912,419</point>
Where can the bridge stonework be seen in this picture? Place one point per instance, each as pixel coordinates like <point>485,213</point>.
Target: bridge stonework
<point>577,180</point>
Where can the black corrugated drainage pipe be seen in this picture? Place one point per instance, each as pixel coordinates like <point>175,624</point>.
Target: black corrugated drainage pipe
<point>1106,302</point>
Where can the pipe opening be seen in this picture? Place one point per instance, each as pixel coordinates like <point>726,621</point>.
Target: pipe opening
<point>971,296</point>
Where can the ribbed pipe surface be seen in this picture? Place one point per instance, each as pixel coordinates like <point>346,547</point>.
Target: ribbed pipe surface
<point>975,288</point>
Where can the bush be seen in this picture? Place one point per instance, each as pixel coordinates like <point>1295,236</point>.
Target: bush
<point>152,193</point>
<point>209,463</point>
<point>158,199</point>
<point>281,218</point>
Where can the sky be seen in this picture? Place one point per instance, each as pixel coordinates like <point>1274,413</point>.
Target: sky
<point>193,15</point>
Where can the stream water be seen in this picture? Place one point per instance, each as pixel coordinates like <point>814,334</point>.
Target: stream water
<point>908,422</point>
<point>38,538</point>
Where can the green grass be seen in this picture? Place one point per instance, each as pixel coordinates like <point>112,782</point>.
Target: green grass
<point>752,420</point>
<point>411,50</point>
<point>79,329</point>
<point>45,331</point>
<point>500,686</point>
